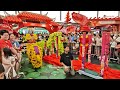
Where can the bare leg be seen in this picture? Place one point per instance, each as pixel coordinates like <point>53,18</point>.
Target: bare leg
<point>72,72</point>
<point>17,67</point>
<point>66,69</point>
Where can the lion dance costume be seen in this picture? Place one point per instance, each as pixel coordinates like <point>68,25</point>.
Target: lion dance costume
<point>34,52</point>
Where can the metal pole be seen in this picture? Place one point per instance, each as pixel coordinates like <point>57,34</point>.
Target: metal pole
<point>16,12</point>
<point>97,14</point>
<point>40,12</point>
<point>118,13</point>
<point>60,15</point>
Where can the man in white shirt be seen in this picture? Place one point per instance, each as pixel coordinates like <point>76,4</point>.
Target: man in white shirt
<point>93,44</point>
<point>117,51</point>
<point>113,45</point>
<point>114,51</point>
<point>98,45</point>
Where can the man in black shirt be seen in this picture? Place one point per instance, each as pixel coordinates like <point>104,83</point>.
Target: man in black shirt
<point>65,60</point>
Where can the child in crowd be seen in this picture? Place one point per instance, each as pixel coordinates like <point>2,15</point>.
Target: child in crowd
<point>16,46</point>
<point>8,62</point>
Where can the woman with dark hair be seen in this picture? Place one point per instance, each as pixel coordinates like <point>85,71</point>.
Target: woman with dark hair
<point>4,42</point>
<point>16,46</point>
<point>8,61</point>
<point>14,42</point>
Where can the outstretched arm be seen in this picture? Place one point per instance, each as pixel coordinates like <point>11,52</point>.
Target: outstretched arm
<point>15,52</point>
<point>63,64</point>
<point>118,46</point>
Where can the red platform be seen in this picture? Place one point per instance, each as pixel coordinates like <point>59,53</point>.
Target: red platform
<point>109,73</point>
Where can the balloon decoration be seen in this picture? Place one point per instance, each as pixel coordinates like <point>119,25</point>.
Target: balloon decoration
<point>71,29</point>
<point>80,19</point>
<point>5,27</point>
<point>68,17</point>
<point>94,23</point>
<point>34,17</point>
<point>12,19</point>
<point>24,19</point>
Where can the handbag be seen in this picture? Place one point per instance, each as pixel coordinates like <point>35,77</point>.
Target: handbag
<point>11,73</point>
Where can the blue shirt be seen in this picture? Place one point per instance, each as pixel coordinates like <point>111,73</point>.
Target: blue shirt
<point>16,43</point>
<point>72,38</point>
